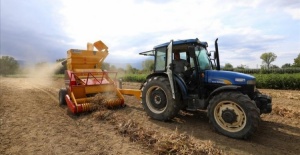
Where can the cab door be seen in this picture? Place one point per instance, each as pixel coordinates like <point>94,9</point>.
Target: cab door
<point>169,65</point>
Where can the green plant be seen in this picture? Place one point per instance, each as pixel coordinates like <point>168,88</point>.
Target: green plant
<point>278,81</point>
<point>134,77</point>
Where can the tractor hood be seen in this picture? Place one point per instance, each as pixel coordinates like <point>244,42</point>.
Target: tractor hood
<point>228,77</point>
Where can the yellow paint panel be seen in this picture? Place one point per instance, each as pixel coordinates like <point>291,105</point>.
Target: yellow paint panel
<point>100,45</point>
<point>78,91</point>
<point>131,92</point>
<point>84,59</point>
<point>90,47</point>
<point>227,82</point>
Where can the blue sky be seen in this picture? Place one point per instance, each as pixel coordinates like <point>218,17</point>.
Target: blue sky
<point>43,30</point>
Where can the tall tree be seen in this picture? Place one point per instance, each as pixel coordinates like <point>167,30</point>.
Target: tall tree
<point>8,65</point>
<point>228,66</point>
<point>148,65</point>
<point>113,68</point>
<point>241,66</point>
<point>274,67</point>
<point>287,65</point>
<point>105,66</point>
<point>297,61</point>
<point>268,58</point>
<point>62,69</point>
<point>129,69</point>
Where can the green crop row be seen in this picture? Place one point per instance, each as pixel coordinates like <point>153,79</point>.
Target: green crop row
<point>265,81</point>
<point>267,71</point>
<point>134,77</point>
<point>278,81</point>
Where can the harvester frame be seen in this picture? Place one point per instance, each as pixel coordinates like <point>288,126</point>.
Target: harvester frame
<point>84,78</point>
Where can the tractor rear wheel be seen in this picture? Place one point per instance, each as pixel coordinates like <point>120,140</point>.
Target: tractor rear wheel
<point>157,99</point>
<point>233,114</point>
<point>61,96</point>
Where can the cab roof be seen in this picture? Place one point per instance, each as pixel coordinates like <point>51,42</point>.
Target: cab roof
<point>177,42</point>
<point>186,41</point>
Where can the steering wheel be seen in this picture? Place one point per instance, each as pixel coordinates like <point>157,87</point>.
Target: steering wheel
<point>192,68</point>
<point>189,72</point>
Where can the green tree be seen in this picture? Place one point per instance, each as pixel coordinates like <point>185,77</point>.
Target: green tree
<point>228,66</point>
<point>130,70</point>
<point>268,58</point>
<point>242,66</point>
<point>134,71</point>
<point>113,68</point>
<point>63,62</point>
<point>105,66</point>
<point>148,65</point>
<point>287,65</point>
<point>274,67</point>
<point>297,61</point>
<point>8,65</point>
<point>121,71</point>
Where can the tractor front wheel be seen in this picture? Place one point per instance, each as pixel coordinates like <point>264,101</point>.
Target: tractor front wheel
<point>157,99</point>
<point>233,114</point>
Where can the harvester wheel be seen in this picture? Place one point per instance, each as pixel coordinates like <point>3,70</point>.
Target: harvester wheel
<point>61,94</point>
<point>233,114</point>
<point>157,99</point>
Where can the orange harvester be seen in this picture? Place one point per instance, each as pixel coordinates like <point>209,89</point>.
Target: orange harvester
<point>84,78</point>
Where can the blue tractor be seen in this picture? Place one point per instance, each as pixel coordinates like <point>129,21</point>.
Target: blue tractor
<point>231,99</point>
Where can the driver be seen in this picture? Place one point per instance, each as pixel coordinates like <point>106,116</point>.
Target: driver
<point>179,64</point>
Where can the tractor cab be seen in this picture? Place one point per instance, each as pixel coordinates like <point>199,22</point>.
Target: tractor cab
<point>194,59</point>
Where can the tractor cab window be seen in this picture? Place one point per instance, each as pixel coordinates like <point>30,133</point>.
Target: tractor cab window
<point>180,61</point>
<point>182,55</point>
<point>160,59</point>
<point>203,58</point>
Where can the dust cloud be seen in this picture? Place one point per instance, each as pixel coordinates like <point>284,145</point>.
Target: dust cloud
<point>42,73</point>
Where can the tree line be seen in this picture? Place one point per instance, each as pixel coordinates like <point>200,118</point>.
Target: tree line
<point>8,65</point>
<point>147,65</point>
<point>267,59</point>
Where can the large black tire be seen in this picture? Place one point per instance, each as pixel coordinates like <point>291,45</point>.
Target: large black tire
<point>157,99</point>
<point>234,114</point>
<point>61,96</point>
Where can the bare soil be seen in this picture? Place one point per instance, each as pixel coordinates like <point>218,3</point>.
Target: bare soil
<point>32,122</point>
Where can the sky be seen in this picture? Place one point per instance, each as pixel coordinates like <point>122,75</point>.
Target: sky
<point>43,30</point>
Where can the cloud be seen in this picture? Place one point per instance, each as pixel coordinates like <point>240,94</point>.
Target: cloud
<point>294,12</point>
<point>291,7</point>
<point>31,30</point>
<point>47,29</point>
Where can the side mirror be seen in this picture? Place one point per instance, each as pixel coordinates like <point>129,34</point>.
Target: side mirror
<point>191,50</point>
<point>214,54</point>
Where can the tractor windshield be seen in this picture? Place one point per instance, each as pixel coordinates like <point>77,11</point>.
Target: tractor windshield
<point>203,59</point>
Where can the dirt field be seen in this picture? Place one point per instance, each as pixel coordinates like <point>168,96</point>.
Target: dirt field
<point>32,122</point>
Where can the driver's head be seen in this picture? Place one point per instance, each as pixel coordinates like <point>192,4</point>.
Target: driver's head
<point>176,55</point>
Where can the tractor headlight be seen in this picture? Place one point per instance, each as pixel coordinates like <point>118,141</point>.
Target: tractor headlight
<point>251,82</point>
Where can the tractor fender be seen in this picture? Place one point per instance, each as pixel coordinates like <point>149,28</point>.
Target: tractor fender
<point>181,86</point>
<point>156,74</point>
<point>221,89</point>
<point>152,75</point>
<point>179,83</point>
